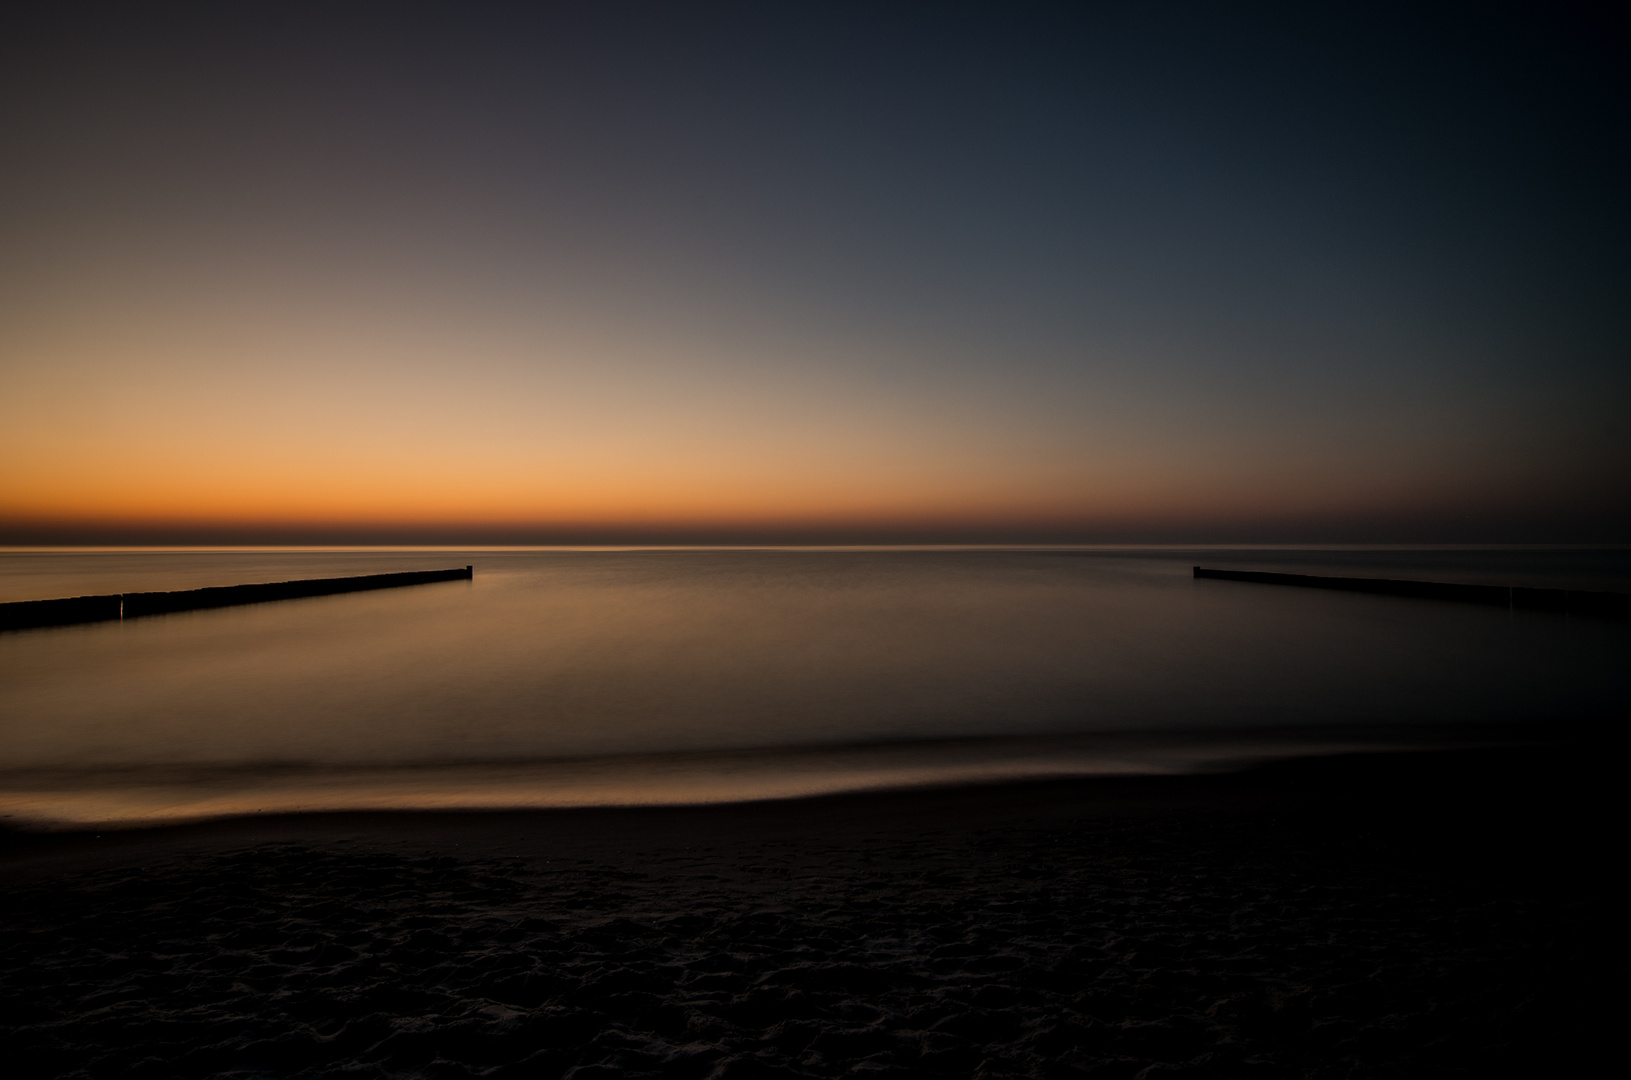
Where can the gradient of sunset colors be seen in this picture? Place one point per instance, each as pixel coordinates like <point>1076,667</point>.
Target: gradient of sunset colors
<point>611,272</point>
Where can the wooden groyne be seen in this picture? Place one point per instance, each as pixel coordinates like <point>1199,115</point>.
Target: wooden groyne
<point>27,614</point>
<point>1568,601</point>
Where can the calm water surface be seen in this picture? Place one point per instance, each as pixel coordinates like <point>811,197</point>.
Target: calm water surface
<point>562,677</point>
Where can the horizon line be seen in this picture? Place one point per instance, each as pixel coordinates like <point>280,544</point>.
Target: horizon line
<point>1402,545</point>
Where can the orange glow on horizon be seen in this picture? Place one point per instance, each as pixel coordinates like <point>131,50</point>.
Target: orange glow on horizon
<point>178,415</point>
<point>786,485</point>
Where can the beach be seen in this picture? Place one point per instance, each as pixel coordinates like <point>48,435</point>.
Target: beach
<point>739,540</point>
<point>1413,914</point>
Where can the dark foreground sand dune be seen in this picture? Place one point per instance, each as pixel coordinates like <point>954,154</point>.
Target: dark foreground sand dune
<point>1422,915</point>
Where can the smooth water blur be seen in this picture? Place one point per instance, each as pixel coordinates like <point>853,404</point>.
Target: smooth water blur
<point>551,656</point>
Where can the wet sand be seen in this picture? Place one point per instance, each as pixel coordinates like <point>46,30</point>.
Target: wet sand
<point>1427,914</point>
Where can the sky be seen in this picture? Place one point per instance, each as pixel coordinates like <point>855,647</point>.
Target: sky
<point>810,272</point>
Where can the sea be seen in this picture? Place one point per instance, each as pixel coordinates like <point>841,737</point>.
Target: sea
<point>641,676</point>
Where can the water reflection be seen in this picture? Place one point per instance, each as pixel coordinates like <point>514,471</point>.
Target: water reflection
<point>552,655</point>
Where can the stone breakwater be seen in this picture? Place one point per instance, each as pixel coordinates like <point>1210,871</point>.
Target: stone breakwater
<point>1566,601</point>
<point>29,614</point>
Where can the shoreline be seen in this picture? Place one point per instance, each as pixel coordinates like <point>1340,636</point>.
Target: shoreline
<point>1433,783</point>
<point>112,798</point>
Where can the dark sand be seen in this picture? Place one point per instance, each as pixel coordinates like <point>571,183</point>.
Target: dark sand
<point>1430,914</point>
